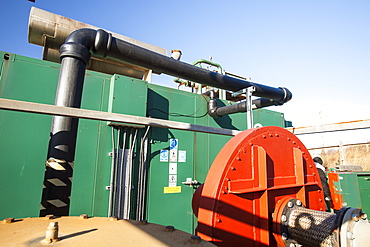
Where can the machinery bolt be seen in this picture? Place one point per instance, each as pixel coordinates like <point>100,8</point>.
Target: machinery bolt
<point>219,220</point>
<point>283,218</point>
<point>8,220</point>
<point>51,232</point>
<point>84,216</point>
<point>298,202</point>
<point>290,204</point>
<point>169,229</point>
<point>284,236</point>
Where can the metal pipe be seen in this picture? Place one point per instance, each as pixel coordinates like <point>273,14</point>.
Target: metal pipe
<point>162,64</point>
<point>221,71</point>
<point>215,111</point>
<point>112,175</point>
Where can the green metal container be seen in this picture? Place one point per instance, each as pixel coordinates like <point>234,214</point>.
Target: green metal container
<point>160,159</point>
<point>351,189</point>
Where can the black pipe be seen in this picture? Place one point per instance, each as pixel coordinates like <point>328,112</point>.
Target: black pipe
<point>161,64</point>
<point>75,55</point>
<point>215,111</point>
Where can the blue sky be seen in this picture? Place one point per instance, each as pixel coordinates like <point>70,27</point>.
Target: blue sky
<point>319,50</point>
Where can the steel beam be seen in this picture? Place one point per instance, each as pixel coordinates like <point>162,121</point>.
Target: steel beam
<point>22,106</point>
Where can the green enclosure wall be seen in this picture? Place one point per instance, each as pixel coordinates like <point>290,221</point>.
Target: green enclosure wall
<point>24,141</point>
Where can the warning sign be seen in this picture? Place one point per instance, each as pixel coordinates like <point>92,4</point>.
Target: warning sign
<point>172,180</point>
<point>167,190</point>
<point>173,155</point>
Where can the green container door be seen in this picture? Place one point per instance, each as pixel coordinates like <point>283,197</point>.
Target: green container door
<point>364,185</point>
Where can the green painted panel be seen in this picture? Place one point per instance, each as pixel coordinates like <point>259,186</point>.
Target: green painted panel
<point>350,189</point>
<point>170,208</point>
<point>24,136</point>
<point>92,149</point>
<point>127,96</point>
<point>364,185</point>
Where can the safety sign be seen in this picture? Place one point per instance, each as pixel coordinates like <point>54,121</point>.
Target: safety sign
<point>174,143</point>
<point>172,180</point>
<point>163,156</point>
<point>182,156</point>
<point>173,155</point>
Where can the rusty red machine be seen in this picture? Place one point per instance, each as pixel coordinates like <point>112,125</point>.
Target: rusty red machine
<point>263,189</point>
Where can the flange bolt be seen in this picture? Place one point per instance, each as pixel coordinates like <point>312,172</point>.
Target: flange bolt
<point>283,218</point>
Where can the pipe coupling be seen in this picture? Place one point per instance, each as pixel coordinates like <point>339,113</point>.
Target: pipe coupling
<point>103,43</point>
<point>75,50</point>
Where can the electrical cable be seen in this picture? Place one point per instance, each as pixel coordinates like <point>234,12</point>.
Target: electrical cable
<point>179,114</point>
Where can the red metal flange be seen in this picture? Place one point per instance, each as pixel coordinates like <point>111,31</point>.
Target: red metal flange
<point>251,174</point>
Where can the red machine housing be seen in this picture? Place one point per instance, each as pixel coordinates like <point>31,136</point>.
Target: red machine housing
<point>253,172</point>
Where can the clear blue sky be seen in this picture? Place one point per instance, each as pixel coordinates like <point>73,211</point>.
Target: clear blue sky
<point>320,50</point>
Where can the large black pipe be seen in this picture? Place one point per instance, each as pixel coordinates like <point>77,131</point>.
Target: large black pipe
<point>136,55</point>
<point>75,55</point>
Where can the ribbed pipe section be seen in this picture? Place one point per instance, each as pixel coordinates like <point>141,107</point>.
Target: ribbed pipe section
<point>312,228</point>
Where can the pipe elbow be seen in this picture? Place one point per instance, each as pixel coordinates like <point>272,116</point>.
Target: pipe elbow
<point>212,108</point>
<point>80,42</point>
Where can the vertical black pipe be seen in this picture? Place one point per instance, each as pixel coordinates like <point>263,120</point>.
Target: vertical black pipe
<point>62,143</point>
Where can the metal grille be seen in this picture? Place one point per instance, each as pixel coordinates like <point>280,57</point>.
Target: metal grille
<point>312,228</point>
